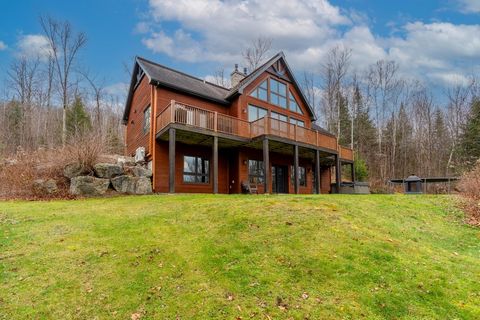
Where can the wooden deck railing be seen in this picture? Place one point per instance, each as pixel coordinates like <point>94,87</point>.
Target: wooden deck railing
<point>346,153</point>
<point>189,115</point>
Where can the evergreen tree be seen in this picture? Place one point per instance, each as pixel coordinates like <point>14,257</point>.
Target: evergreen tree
<point>345,122</point>
<point>441,140</point>
<point>470,140</point>
<point>363,128</point>
<point>78,120</point>
<point>15,120</point>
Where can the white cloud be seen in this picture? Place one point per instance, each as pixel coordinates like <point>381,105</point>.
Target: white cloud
<point>216,31</point>
<point>224,27</point>
<point>3,46</point>
<point>33,45</point>
<point>469,6</point>
<point>437,51</point>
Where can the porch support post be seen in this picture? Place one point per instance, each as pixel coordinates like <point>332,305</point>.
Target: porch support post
<point>338,172</point>
<point>266,166</point>
<point>171,160</point>
<point>317,171</point>
<point>215,164</point>
<point>353,172</point>
<point>295,169</point>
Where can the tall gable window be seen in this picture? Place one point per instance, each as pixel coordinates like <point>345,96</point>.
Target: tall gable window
<point>195,170</point>
<point>146,120</point>
<point>278,93</point>
<point>255,113</point>
<point>292,103</point>
<point>260,92</point>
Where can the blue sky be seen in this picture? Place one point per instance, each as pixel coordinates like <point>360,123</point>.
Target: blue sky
<point>436,41</point>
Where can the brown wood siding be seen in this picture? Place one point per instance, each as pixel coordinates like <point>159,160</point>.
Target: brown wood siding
<point>325,179</point>
<point>275,159</point>
<point>161,167</point>
<point>135,137</point>
<point>165,96</point>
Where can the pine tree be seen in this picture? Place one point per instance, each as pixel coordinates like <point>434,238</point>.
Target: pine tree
<point>470,140</point>
<point>78,120</point>
<point>345,122</point>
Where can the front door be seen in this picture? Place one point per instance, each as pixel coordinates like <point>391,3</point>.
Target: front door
<point>279,179</point>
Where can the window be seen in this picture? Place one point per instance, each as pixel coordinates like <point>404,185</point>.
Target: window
<point>255,171</point>
<point>146,120</point>
<point>292,103</point>
<point>195,170</point>
<point>255,113</point>
<point>299,123</point>
<point>278,116</point>
<point>260,92</point>
<point>278,93</point>
<point>302,176</point>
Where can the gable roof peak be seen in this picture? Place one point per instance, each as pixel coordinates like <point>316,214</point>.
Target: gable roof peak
<point>238,89</point>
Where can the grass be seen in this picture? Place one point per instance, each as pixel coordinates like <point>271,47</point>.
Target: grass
<point>239,257</point>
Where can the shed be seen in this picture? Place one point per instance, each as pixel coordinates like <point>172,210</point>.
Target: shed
<point>413,184</point>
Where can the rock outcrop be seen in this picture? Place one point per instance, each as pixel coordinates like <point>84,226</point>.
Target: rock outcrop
<point>107,170</point>
<point>132,185</point>
<point>41,186</point>
<point>88,186</point>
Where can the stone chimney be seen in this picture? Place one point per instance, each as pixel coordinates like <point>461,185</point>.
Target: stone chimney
<point>236,76</point>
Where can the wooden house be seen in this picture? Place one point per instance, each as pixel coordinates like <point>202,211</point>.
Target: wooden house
<point>257,136</point>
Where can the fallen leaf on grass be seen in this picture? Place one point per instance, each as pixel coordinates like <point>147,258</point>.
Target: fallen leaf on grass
<point>136,316</point>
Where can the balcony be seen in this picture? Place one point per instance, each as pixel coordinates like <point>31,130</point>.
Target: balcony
<point>195,117</point>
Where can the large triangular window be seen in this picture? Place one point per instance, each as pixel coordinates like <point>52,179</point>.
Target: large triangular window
<point>292,103</point>
<point>261,92</point>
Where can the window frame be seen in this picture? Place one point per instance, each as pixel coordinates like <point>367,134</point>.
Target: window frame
<point>258,175</point>
<point>197,174</point>
<point>297,122</point>
<point>302,182</point>
<point>278,116</point>
<point>256,91</point>
<point>278,94</point>
<point>257,111</point>
<point>291,98</point>
<point>147,122</point>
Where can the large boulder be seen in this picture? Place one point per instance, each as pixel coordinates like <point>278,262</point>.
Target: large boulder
<point>138,171</point>
<point>125,161</point>
<point>73,170</point>
<point>88,186</point>
<point>107,170</point>
<point>41,186</point>
<point>132,185</point>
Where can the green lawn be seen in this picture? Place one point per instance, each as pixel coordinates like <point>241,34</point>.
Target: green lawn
<point>239,257</point>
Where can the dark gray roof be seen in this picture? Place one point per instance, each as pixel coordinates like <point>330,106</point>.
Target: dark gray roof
<point>322,130</point>
<point>162,75</point>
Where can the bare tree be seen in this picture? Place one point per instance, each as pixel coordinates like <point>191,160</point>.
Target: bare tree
<point>220,79</point>
<point>256,53</point>
<point>98,90</point>
<point>64,45</point>
<point>22,78</point>
<point>334,73</point>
